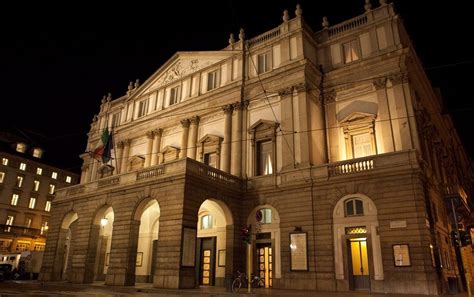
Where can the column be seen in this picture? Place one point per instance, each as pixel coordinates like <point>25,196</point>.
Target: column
<point>383,125</point>
<point>149,148</point>
<point>193,133</point>
<point>236,156</point>
<point>95,164</point>
<point>184,139</point>
<point>225,155</point>
<point>84,171</point>
<point>89,172</point>
<point>119,157</point>
<point>126,151</point>
<point>287,139</point>
<point>156,146</point>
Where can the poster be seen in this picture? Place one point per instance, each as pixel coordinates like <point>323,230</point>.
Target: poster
<point>299,251</point>
<point>188,249</point>
<point>401,255</point>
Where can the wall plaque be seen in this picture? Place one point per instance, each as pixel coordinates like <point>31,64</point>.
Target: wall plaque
<point>188,247</point>
<point>398,224</point>
<point>299,251</point>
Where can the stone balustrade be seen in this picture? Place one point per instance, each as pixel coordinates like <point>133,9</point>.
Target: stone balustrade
<point>348,25</point>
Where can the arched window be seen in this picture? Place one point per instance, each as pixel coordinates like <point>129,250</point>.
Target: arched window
<point>264,216</point>
<point>354,207</point>
<point>206,222</point>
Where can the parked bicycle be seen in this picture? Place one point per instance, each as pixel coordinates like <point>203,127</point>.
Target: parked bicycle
<point>241,280</point>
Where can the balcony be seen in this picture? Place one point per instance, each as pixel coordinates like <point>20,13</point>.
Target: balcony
<point>154,173</point>
<point>16,231</point>
<point>456,193</point>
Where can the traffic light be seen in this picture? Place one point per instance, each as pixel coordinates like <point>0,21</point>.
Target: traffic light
<point>245,233</point>
<point>465,237</point>
<point>455,237</point>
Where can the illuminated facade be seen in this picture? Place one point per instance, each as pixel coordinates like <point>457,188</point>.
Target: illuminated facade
<point>330,144</point>
<point>27,187</point>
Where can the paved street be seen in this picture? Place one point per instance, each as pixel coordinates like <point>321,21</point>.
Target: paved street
<point>34,288</point>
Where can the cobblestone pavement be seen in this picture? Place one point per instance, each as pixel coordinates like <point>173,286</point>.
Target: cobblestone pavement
<point>39,289</point>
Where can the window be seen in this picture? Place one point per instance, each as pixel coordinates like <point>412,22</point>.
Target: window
<point>354,207</point>
<point>362,145</point>
<point>28,222</point>
<point>264,216</point>
<point>54,175</point>
<point>51,189</point>
<point>4,161</point>
<point>48,206</point>
<point>44,227</point>
<point>39,170</point>
<point>263,62</point>
<point>212,80</point>
<point>9,222</point>
<point>174,95</point>
<point>2,176</point>
<point>37,152</point>
<point>351,52</point>
<point>265,157</point>
<point>68,179</point>
<point>210,159</point>
<point>22,166</point>
<point>32,202</point>
<point>36,185</point>
<point>116,119</point>
<point>142,108</point>
<point>206,222</point>
<point>14,200</point>
<point>19,181</point>
<point>20,147</point>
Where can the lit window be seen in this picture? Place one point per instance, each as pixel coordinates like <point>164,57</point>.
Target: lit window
<point>212,80</point>
<point>22,166</point>
<point>210,159</point>
<point>142,108</point>
<point>206,222</point>
<point>4,161</point>
<point>2,177</point>
<point>44,228</point>
<point>174,95</point>
<point>36,184</point>
<point>19,181</point>
<point>32,203</point>
<point>14,200</point>
<point>264,157</point>
<point>28,222</point>
<point>68,179</point>
<point>362,145</point>
<point>39,170</point>
<point>264,216</point>
<point>263,63</point>
<point>9,222</point>
<point>351,52</point>
<point>51,189</point>
<point>37,152</point>
<point>354,207</point>
<point>20,147</point>
<point>54,175</point>
<point>116,119</point>
<point>48,206</point>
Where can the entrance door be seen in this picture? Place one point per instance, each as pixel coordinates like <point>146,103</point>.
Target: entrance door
<point>265,263</point>
<point>359,264</point>
<point>208,262</point>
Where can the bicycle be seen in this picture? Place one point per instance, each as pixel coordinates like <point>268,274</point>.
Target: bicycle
<point>242,280</point>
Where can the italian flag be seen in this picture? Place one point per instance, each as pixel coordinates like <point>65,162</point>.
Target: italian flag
<point>102,150</point>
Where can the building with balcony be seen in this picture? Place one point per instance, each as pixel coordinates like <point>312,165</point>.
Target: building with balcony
<point>330,144</point>
<point>27,187</point>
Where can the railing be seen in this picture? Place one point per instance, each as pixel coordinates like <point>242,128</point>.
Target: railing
<point>351,166</point>
<point>149,173</point>
<point>21,231</point>
<point>213,174</point>
<point>456,191</point>
<point>108,182</point>
<point>348,25</point>
<point>265,37</point>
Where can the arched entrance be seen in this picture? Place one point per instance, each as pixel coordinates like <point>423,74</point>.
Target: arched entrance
<point>214,220</point>
<point>357,252</point>
<point>64,245</point>
<point>265,222</point>
<point>148,213</point>
<point>100,241</point>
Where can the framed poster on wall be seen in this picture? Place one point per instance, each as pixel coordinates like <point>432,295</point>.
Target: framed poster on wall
<point>188,247</point>
<point>299,251</point>
<point>401,255</point>
<point>221,258</point>
<point>139,259</point>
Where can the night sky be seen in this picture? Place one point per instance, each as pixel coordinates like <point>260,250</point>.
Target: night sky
<point>58,60</point>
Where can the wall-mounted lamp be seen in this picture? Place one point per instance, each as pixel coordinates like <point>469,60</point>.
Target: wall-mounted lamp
<point>103,222</point>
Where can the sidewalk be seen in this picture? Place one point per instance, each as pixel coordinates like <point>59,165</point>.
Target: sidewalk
<point>35,288</point>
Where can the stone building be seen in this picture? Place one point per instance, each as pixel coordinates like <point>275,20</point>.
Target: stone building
<point>27,187</point>
<point>332,145</point>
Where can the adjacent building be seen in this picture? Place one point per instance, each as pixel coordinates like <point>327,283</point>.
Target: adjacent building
<point>27,188</point>
<point>331,145</point>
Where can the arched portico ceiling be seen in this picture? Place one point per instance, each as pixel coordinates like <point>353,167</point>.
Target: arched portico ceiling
<point>214,205</point>
<point>68,219</point>
<point>102,212</point>
<point>143,205</point>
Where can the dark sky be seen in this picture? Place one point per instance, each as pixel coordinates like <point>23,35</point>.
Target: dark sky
<point>58,60</point>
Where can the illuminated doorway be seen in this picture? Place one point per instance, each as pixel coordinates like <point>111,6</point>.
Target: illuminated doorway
<point>265,263</point>
<point>359,263</point>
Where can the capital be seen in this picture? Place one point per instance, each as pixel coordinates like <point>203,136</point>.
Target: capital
<point>227,109</point>
<point>185,123</point>
<point>150,134</point>
<point>399,78</point>
<point>120,144</point>
<point>238,106</point>
<point>194,120</point>
<point>380,83</point>
<point>158,132</point>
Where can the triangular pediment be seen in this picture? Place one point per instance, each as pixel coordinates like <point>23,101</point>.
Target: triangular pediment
<point>263,125</point>
<point>169,148</point>
<point>179,66</point>
<point>210,138</point>
<point>356,117</point>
